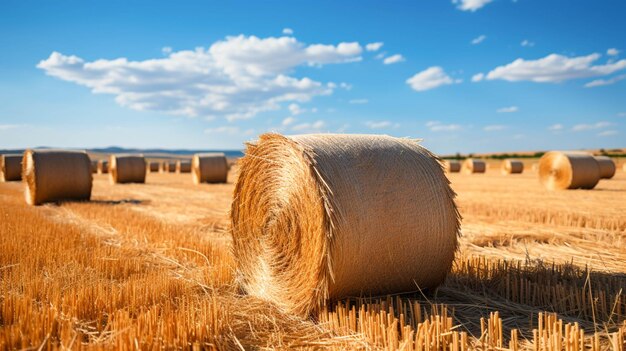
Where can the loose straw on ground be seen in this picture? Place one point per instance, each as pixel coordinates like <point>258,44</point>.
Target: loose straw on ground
<point>54,175</point>
<point>318,217</point>
<point>453,166</point>
<point>10,167</point>
<point>607,167</point>
<point>127,169</point>
<point>568,170</point>
<point>472,165</point>
<point>512,167</point>
<point>209,168</point>
<point>103,166</point>
<point>183,166</point>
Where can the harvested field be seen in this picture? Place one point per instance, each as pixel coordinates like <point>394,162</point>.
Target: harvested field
<point>150,266</point>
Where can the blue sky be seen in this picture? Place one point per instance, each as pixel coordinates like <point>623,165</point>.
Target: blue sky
<point>467,76</point>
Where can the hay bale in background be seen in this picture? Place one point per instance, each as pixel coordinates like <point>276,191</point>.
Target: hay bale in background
<point>127,169</point>
<point>183,166</point>
<point>568,170</point>
<point>330,216</point>
<point>453,166</point>
<point>94,166</point>
<point>209,168</point>
<point>171,167</point>
<point>154,167</point>
<point>607,167</point>
<point>512,167</point>
<point>472,165</point>
<point>10,167</point>
<point>103,166</point>
<point>53,175</point>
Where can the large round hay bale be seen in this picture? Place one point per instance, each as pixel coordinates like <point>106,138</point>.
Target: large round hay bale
<point>325,216</point>
<point>154,167</point>
<point>209,168</point>
<point>472,165</point>
<point>452,166</point>
<point>10,167</point>
<point>54,175</point>
<point>512,167</point>
<point>607,167</point>
<point>127,169</point>
<point>183,166</point>
<point>103,166</point>
<point>568,170</point>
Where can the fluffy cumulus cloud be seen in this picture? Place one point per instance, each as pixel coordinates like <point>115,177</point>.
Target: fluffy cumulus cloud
<point>470,5</point>
<point>237,77</point>
<point>430,78</point>
<point>437,126</point>
<point>552,69</point>
<point>509,109</point>
<point>287,31</point>
<point>602,82</point>
<point>479,39</point>
<point>612,52</point>
<point>374,46</point>
<point>393,59</point>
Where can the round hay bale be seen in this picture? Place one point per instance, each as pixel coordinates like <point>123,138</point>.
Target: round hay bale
<point>183,166</point>
<point>512,167</point>
<point>103,166</point>
<point>10,167</point>
<point>453,166</point>
<point>54,175</point>
<point>607,167</point>
<point>94,166</point>
<point>209,168</point>
<point>154,167</point>
<point>568,170</point>
<point>127,169</point>
<point>171,167</point>
<point>472,165</point>
<point>326,216</point>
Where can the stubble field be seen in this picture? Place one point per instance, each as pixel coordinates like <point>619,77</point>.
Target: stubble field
<point>149,266</point>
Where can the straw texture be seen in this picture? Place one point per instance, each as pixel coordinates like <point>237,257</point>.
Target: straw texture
<point>607,167</point>
<point>183,166</point>
<point>453,166</point>
<point>54,175</point>
<point>568,170</point>
<point>127,169</point>
<point>103,166</point>
<point>471,165</point>
<point>209,168</point>
<point>325,216</point>
<point>10,167</point>
<point>154,167</point>
<point>512,167</point>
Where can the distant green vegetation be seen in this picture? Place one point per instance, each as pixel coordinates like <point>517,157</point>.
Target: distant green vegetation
<point>459,156</point>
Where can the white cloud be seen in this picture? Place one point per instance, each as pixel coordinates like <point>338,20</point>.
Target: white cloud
<point>378,125</point>
<point>470,5</point>
<point>358,101</point>
<point>494,127</point>
<point>380,56</point>
<point>612,52</point>
<point>479,39</point>
<point>287,121</point>
<point>478,77</point>
<point>430,78</point>
<point>583,126</point>
<point>314,127</point>
<point>295,109</point>
<point>556,127</point>
<point>8,126</point>
<point>229,130</point>
<point>236,78</point>
<point>552,69</point>
<point>287,31</point>
<point>509,109</point>
<point>602,82</point>
<point>374,46</point>
<point>527,43</point>
<point>166,50</point>
<point>608,133</point>
<point>393,59</point>
<point>437,126</point>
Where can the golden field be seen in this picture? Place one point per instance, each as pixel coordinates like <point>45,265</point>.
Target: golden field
<point>149,266</point>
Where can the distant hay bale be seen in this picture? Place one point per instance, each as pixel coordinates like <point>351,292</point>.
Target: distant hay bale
<point>209,168</point>
<point>568,170</point>
<point>512,167</point>
<point>325,216</point>
<point>154,167</point>
<point>127,169</point>
<point>183,166</point>
<point>94,166</point>
<point>171,167</point>
<point>10,167</point>
<point>472,165</point>
<point>453,166</point>
<point>54,175</point>
<point>103,166</point>
<point>607,167</point>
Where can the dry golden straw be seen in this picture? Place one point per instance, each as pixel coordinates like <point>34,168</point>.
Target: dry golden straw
<point>326,216</point>
<point>568,170</point>
<point>53,175</point>
<point>607,167</point>
<point>103,166</point>
<point>154,167</point>
<point>183,166</point>
<point>512,167</point>
<point>127,169</point>
<point>10,167</point>
<point>453,166</point>
<point>472,165</point>
<point>209,168</point>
